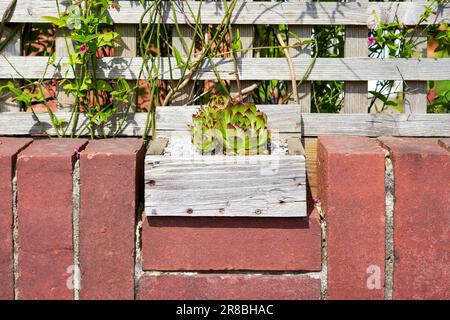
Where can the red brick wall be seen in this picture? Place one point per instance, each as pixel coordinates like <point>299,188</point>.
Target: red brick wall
<point>71,228</point>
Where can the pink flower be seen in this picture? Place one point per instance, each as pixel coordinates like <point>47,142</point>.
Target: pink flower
<point>431,95</point>
<point>371,41</point>
<point>84,48</point>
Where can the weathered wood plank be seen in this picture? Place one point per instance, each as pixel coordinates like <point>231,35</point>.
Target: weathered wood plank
<point>246,35</point>
<point>63,47</point>
<point>174,119</point>
<point>255,186</point>
<point>295,146</point>
<point>311,165</point>
<point>416,91</point>
<point>322,13</point>
<point>224,182</point>
<point>356,93</point>
<point>7,104</point>
<point>127,47</point>
<point>304,89</point>
<point>344,69</point>
<point>184,42</point>
<point>374,125</point>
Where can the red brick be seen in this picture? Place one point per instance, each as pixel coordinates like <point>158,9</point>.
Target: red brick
<point>228,287</point>
<point>421,218</point>
<point>352,192</point>
<point>45,218</point>
<point>445,143</point>
<point>231,243</point>
<point>9,148</point>
<point>109,188</point>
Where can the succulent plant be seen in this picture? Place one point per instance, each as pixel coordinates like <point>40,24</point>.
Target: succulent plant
<point>203,130</point>
<point>238,128</point>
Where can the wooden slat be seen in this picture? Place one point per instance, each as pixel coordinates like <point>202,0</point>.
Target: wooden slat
<point>256,186</point>
<point>286,118</point>
<point>246,33</point>
<point>65,100</point>
<point>7,104</point>
<point>183,96</point>
<point>355,93</point>
<point>295,147</point>
<point>416,91</point>
<point>319,13</point>
<point>127,48</point>
<point>311,165</point>
<point>304,90</point>
<point>344,69</point>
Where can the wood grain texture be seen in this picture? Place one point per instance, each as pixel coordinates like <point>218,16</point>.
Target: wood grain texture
<point>225,186</point>
<point>304,89</point>
<point>320,13</point>
<point>416,91</point>
<point>62,49</point>
<point>340,69</point>
<point>295,147</point>
<point>356,93</point>
<point>246,35</point>
<point>183,42</point>
<point>311,165</point>
<point>7,104</point>
<point>127,47</point>
<point>286,119</point>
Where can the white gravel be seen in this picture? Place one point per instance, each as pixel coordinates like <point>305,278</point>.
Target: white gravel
<point>181,146</point>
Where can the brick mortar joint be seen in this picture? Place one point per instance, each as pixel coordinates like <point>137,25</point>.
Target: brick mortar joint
<point>15,206</point>
<point>138,270</point>
<point>76,229</point>
<point>389,220</point>
<point>324,247</point>
<point>306,274</point>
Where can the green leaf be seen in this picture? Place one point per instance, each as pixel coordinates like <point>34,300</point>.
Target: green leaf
<point>106,39</point>
<point>103,85</point>
<point>394,105</point>
<point>296,37</point>
<point>52,60</point>
<point>56,21</point>
<point>84,38</point>
<point>237,41</point>
<point>380,96</point>
<point>179,60</point>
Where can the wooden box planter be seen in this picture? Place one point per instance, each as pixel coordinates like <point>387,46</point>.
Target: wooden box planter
<point>226,186</point>
<point>265,186</point>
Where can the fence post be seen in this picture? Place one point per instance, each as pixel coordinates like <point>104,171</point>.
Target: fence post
<point>182,97</point>
<point>246,35</point>
<point>12,49</point>
<point>416,91</point>
<point>304,90</point>
<point>304,98</point>
<point>355,98</point>
<point>127,48</point>
<point>62,48</point>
